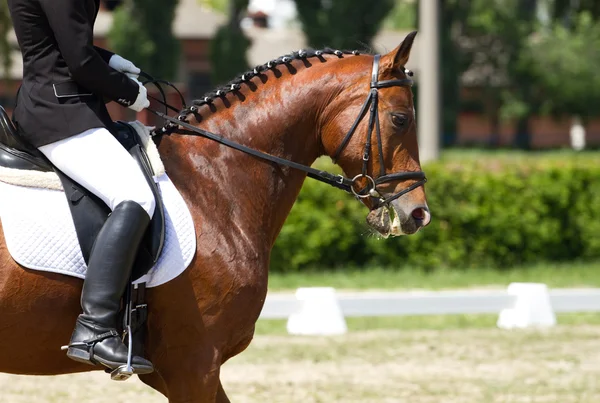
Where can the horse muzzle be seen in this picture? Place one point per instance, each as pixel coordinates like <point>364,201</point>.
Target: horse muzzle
<point>395,219</point>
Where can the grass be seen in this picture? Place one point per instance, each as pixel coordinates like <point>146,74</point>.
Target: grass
<point>453,365</point>
<point>421,366</point>
<point>554,275</point>
<point>426,322</point>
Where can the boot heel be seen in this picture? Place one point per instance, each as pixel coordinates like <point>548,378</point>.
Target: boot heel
<point>79,355</point>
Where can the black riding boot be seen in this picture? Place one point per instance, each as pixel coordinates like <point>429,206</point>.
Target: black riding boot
<point>95,339</point>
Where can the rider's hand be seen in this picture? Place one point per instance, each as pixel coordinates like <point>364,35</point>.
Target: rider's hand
<point>124,66</point>
<point>141,101</point>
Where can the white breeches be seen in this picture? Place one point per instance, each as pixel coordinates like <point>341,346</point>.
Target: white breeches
<point>98,162</point>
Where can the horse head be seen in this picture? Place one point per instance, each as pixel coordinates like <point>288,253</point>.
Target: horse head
<point>382,140</point>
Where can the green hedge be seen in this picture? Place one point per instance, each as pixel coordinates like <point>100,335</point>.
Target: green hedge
<point>487,212</point>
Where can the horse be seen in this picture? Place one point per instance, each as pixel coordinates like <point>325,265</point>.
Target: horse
<point>297,108</point>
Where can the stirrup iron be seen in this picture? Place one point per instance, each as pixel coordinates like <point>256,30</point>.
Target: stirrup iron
<point>124,372</point>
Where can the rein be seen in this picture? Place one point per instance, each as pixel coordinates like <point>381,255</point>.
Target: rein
<point>337,181</point>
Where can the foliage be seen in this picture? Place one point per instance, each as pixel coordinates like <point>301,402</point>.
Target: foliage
<point>453,15</point>
<point>142,32</point>
<point>342,24</point>
<point>217,5</point>
<point>403,16</point>
<point>493,213</point>
<point>565,62</point>
<point>504,48</point>
<point>489,38</point>
<point>5,28</point>
<point>564,10</point>
<point>229,46</point>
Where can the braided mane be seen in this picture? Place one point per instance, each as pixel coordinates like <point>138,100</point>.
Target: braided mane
<point>236,83</point>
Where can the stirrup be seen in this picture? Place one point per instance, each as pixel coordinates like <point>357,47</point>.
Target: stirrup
<point>124,372</point>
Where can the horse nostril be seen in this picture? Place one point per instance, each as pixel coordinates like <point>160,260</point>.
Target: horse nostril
<point>422,216</point>
<point>419,214</point>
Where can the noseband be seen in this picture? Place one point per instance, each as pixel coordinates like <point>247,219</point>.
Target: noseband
<point>338,181</point>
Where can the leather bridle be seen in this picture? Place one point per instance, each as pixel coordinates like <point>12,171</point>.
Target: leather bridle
<point>373,101</point>
<point>338,181</point>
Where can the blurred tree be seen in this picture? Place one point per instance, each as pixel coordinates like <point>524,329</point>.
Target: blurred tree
<point>497,34</point>
<point>217,5</point>
<point>112,4</point>
<point>403,16</point>
<point>5,28</point>
<point>507,55</point>
<point>565,62</point>
<point>229,46</point>
<point>453,20</point>
<point>342,24</point>
<point>142,32</point>
<point>485,39</point>
<point>566,11</point>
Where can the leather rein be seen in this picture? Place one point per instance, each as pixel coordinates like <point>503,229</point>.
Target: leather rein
<point>337,181</point>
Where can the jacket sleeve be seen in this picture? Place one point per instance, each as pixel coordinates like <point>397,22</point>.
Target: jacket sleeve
<point>73,31</point>
<point>104,54</point>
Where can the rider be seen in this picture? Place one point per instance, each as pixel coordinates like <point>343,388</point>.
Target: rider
<point>60,111</point>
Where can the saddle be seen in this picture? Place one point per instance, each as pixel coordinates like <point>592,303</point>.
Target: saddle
<point>88,211</point>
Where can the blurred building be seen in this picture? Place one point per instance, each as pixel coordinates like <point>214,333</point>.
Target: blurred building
<point>274,31</point>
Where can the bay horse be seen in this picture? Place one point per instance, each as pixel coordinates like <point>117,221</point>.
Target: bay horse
<point>298,107</point>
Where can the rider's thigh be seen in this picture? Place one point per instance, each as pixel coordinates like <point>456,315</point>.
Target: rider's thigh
<point>98,162</point>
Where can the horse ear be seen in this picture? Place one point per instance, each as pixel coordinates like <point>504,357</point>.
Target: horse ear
<point>398,57</point>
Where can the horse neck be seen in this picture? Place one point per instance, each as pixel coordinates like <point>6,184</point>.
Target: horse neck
<point>231,192</point>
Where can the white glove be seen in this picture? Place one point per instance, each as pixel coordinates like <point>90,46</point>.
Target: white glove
<point>124,66</point>
<point>141,101</point>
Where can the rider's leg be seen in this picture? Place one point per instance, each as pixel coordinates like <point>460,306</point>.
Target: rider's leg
<point>97,161</point>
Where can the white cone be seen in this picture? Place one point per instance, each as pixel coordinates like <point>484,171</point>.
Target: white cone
<point>532,307</point>
<point>319,313</point>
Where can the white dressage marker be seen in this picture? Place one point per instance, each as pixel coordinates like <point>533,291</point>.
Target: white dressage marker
<point>532,307</point>
<point>319,313</point>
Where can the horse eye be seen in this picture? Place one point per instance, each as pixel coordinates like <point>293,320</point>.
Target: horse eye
<point>400,121</point>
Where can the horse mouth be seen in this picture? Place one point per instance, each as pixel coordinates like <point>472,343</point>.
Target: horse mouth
<point>386,221</point>
<point>391,221</point>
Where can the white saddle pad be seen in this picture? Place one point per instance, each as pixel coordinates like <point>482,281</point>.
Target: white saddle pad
<point>40,233</point>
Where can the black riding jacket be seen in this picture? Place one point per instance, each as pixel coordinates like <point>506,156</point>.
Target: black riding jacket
<point>65,77</point>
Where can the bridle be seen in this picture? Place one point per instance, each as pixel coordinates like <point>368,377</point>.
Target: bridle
<point>373,101</point>
<point>337,181</point>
